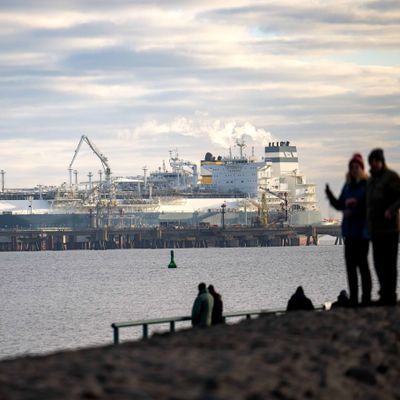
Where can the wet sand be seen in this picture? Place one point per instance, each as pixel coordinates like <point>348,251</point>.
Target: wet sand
<point>341,354</point>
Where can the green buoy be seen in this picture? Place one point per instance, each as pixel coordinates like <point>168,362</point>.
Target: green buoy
<point>172,262</point>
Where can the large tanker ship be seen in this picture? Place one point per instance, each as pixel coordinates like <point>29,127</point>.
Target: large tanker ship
<point>248,191</point>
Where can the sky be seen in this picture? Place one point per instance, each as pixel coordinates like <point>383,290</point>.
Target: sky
<point>141,78</point>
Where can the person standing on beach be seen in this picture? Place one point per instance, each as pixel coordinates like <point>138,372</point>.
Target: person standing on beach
<point>383,202</point>
<point>217,317</point>
<point>352,201</point>
<point>202,307</point>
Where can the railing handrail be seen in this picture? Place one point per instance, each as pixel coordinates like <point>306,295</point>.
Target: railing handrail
<point>149,321</point>
<point>171,320</point>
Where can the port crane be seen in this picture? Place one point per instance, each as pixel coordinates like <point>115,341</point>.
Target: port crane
<point>96,151</point>
<point>264,209</point>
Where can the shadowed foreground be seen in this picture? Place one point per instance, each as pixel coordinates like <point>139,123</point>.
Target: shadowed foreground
<point>342,354</point>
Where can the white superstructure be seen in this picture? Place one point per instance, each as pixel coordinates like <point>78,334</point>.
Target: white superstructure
<point>281,181</point>
<point>230,175</point>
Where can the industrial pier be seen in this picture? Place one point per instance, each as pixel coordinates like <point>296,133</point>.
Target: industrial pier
<point>52,238</point>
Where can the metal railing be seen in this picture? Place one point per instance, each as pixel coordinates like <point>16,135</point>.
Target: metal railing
<point>116,326</point>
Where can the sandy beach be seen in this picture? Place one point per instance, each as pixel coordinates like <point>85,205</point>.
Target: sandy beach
<point>341,354</point>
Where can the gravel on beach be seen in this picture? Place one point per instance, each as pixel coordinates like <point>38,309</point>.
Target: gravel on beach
<point>341,354</point>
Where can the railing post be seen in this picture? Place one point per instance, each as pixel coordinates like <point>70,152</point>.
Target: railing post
<point>248,316</point>
<point>172,326</point>
<point>116,334</point>
<point>145,331</point>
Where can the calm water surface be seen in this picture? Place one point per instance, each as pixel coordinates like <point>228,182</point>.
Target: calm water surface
<point>58,300</point>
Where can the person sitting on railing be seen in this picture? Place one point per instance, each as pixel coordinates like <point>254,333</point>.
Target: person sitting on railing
<point>217,317</point>
<point>202,307</point>
<point>299,301</point>
<point>342,300</point>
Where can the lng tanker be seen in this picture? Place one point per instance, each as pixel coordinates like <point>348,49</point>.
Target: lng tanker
<point>246,190</point>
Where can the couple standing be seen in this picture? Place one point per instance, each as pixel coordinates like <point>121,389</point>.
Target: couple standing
<point>370,212</point>
<point>207,307</point>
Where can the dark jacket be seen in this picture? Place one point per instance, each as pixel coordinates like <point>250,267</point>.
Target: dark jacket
<point>383,193</point>
<point>299,301</point>
<point>354,223</point>
<point>217,310</point>
<point>342,301</point>
<point>202,309</point>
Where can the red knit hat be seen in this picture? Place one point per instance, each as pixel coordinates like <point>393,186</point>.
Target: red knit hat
<point>357,158</point>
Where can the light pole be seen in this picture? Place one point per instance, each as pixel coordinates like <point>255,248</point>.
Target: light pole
<point>286,207</point>
<point>223,206</point>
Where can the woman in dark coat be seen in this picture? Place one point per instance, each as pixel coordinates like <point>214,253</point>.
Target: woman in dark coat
<point>352,201</point>
<point>217,311</point>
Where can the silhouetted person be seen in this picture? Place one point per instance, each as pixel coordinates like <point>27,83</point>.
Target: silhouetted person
<point>217,317</point>
<point>352,201</point>
<point>383,202</point>
<point>202,307</point>
<point>342,300</point>
<point>299,301</point>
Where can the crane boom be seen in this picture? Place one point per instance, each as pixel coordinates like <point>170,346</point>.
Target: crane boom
<point>96,151</point>
<point>284,198</point>
<point>274,194</point>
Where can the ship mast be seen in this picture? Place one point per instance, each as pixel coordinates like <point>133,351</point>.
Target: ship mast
<point>240,143</point>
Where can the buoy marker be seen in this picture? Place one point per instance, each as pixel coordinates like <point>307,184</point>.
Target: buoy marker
<point>172,263</point>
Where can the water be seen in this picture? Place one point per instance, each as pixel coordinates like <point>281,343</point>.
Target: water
<point>58,300</point>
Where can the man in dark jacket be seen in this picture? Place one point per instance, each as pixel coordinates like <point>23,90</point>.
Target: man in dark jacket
<point>299,301</point>
<point>217,311</point>
<point>202,307</point>
<point>383,202</point>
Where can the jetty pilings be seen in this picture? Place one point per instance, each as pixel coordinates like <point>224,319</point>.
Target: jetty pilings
<point>51,238</point>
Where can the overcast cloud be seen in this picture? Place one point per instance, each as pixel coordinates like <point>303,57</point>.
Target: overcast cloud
<point>143,77</point>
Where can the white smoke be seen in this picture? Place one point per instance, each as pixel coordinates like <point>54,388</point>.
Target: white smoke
<point>221,133</point>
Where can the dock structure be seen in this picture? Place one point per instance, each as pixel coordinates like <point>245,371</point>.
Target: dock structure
<point>160,238</point>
